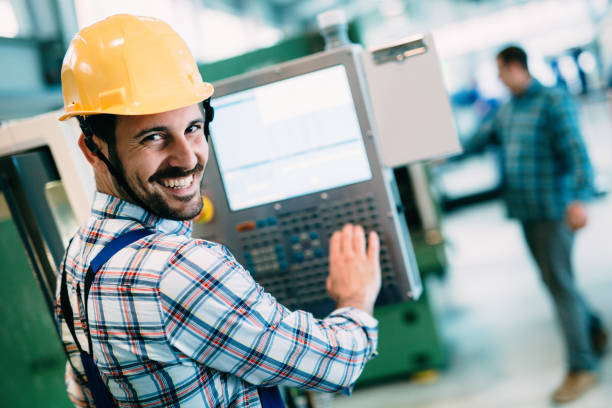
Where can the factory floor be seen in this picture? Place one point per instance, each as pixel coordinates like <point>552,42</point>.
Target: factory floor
<point>504,346</point>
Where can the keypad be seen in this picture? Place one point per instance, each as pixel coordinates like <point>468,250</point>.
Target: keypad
<point>288,254</point>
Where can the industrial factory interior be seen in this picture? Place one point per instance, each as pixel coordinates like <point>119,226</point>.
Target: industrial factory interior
<point>306,203</point>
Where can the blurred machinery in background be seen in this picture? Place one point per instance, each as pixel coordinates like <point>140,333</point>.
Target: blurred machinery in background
<point>45,188</point>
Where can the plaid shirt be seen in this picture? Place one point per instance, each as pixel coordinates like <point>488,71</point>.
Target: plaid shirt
<point>545,165</point>
<point>176,321</point>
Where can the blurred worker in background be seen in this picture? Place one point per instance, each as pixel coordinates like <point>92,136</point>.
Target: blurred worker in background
<point>175,320</point>
<point>547,179</point>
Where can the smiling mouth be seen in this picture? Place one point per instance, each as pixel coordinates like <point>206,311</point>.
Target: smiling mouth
<point>177,183</point>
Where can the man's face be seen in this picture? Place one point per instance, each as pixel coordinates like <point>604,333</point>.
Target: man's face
<point>162,157</point>
<point>504,73</point>
<point>510,74</point>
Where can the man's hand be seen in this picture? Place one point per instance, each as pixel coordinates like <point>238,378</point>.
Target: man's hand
<point>576,215</point>
<point>354,272</point>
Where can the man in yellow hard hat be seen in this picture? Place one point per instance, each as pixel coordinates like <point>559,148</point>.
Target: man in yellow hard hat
<point>150,316</point>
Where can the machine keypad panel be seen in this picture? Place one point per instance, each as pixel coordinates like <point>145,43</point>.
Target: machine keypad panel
<point>288,254</point>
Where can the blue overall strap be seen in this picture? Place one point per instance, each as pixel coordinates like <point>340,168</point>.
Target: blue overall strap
<point>270,397</point>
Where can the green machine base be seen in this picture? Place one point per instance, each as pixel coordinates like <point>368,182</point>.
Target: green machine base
<point>408,342</point>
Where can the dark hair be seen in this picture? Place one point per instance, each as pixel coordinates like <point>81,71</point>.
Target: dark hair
<point>103,126</point>
<point>513,54</point>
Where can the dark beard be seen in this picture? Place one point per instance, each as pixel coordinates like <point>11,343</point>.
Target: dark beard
<point>160,208</point>
<point>154,202</point>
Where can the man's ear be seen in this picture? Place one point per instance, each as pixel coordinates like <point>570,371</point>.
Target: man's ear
<point>92,157</point>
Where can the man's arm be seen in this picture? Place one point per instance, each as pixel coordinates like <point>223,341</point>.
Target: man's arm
<point>76,388</point>
<point>487,134</point>
<point>217,315</point>
<point>570,150</point>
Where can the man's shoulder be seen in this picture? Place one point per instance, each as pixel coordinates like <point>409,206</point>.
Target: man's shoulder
<point>554,94</point>
<point>185,245</point>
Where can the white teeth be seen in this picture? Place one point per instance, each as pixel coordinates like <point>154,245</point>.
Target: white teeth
<point>178,182</point>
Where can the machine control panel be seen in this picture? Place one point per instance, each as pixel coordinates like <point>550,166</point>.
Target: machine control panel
<point>288,254</point>
<point>292,160</point>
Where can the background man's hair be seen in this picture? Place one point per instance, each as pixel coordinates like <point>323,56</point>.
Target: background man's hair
<point>513,54</point>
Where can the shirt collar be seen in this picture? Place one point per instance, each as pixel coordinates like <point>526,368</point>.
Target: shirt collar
<point>108,206</point>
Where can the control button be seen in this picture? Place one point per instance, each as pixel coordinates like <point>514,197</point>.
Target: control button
<point>299,257</point>
<point>271,221</point>
<point>294,239</point>
<point>248,255</point>
<point>315,243</point>
<point>245,226</point>
<point>278,248</point>
<point>318,252</point>
<point>283,265</point>
<point>296,247</point>
<point>314,235</point>
<point>308,253</point>
<point>261,223</point>
<point>303,236</point>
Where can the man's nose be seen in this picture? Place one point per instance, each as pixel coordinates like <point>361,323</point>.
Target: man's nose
<point>182,153</point>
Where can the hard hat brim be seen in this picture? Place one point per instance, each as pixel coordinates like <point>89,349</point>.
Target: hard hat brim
<point>204,91</point>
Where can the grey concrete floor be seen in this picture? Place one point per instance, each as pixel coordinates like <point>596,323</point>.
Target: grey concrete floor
<point>497,320</point>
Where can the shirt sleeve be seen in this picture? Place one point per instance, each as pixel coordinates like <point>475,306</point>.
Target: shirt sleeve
<point>218,316</point>
<point>486,134</point>
<point>569,147</point>
<point>76,387</point>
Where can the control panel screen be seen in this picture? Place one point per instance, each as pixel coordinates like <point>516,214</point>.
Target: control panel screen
<point>289,138</point>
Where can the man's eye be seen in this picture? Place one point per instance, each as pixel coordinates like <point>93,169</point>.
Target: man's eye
<point>152,138</point>
<point>193,128</point>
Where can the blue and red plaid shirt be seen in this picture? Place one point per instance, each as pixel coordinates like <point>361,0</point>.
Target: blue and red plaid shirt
<point>176,321</point>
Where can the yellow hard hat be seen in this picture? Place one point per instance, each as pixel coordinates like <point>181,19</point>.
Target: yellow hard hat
<point>129,65</point>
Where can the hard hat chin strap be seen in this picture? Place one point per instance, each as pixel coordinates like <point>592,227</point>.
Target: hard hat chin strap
<point>119,177</point>
<point>209,115</point>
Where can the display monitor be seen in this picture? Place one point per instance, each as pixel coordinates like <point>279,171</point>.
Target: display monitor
<point>289,138</point>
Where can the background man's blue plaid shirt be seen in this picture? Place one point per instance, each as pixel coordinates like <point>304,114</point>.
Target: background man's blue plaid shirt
<point>176,321</point>
<point>545,164</point>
